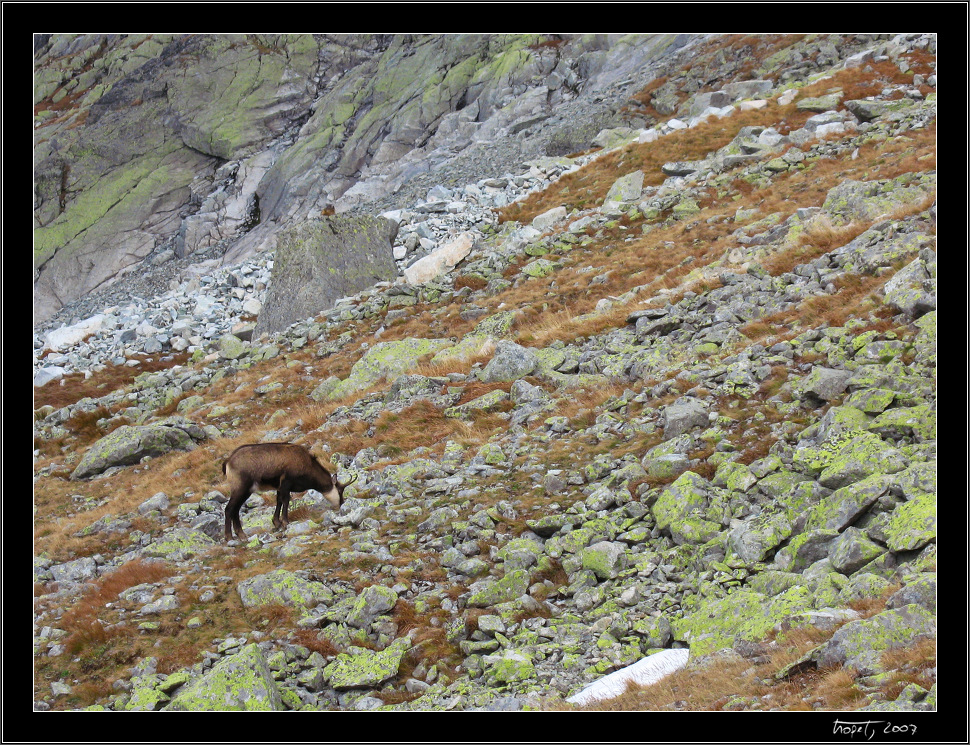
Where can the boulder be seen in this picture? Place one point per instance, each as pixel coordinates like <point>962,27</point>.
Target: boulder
<point>283,587</point>
<point>682,415</point>
<point>320,261</point>
<point>861,644</point>
<point>510,362</point>
<point>365,668</point>
<point>386,360</point>
<point>127,445</point>
<point>440,260</point>
<point>241,682</point>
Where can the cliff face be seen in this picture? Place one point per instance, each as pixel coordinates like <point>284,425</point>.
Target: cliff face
<point>153,143</point>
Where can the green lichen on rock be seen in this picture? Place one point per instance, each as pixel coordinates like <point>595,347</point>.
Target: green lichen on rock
<point>241,682</point>
<point>918,422</point>
<point>283,587</point>
<point>861,644</point>
<point>488,592</point>
<point>128,444</point>
<point>717,622</point>
<point>683,509</point>
<point>366,668</point>
<point>849,455</point>
<point>179,544</point>
<point>867,200</point>
<point>387,360</point>
<point>843,506</point>
<point>912,524</point>
<point>511,666</point>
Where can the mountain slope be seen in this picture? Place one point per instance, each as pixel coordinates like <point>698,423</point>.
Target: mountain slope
<point>681,394</point>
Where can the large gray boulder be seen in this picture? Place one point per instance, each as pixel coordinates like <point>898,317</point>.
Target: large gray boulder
<point>127,445</point>
<point>320,261</point>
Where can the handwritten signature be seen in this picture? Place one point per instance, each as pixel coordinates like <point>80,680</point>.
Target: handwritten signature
<point>868,729</point>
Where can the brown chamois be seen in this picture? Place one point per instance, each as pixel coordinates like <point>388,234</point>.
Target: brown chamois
<point>283,466</point>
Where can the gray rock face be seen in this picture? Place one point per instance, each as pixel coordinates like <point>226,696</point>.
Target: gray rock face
<point>200,141</point>
<point>321,261</point>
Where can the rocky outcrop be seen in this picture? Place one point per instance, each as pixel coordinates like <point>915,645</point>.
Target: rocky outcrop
<point>320,261</point>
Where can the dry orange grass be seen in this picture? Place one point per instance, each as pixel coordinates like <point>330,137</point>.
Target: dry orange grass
<point>82,617</point>
<point>588,186</point>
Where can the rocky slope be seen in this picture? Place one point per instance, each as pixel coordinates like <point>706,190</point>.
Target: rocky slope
<point>678,393</point>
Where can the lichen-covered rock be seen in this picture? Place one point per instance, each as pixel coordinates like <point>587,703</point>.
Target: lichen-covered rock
<point>805,549</point>
<point>717,622</point>
<point>510,362</point>
<point>917,422</point>
<point>283,587</point>
<point>843,506</point>
<point>78,570</point>
<point>491,401</point>
<point>853,550</point>
<point>386,360</point>
<point>867,200</point>
<point>372,602</point>
<point>861,456</point>
<point>488,592</point>
<point>912,289</point>
<point>127,445</point>
<point>605,559</point>
<point>861,644</point>
<point>922,590</point>
<point>912,524</point>
<point>509,666</point>
<point>178,544</point>
<point>240,682</point>
<point>321,261</point>
<point>365,668</point>
<point>682,502</point>
<point>752,540</point>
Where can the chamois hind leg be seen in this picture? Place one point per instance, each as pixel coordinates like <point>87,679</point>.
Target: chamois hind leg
<point>282,506</point>
<point>236,501</point>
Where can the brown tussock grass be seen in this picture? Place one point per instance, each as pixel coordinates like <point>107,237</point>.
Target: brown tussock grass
<point>588,186</point>
<point>82,617</point>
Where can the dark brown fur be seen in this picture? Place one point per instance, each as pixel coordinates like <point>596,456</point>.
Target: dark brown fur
<point>283,466</point>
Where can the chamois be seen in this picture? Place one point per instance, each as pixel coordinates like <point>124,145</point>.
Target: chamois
<point>283,466</point>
